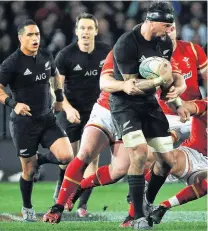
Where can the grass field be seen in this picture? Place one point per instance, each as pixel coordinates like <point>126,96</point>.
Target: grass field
<point>191,216</point>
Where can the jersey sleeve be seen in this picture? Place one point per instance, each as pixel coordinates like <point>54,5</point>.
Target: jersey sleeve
<point>174,66</point>
<point>201,106</point>
<point>6,71</point>
<point>60,63</point>
<point>125,55</point>
<point>53,66</point>
<point>108,64</point>
<point>200,56</point>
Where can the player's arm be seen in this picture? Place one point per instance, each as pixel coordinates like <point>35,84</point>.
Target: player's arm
<point>6,70</point>
<point>201,63</point>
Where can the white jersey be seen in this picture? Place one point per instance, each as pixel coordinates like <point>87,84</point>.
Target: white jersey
<point>195,162</point>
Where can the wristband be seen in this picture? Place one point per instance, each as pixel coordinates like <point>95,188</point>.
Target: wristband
<point>178,102</point>
<point>10,102</point>
<point>158,81</point>
<point>59,95</point>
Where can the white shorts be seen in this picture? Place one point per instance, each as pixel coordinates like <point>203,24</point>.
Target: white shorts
<point>195,162</point>
<point>100,118</point>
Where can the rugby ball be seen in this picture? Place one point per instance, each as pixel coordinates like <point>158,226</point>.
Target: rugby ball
<point>153,67</point>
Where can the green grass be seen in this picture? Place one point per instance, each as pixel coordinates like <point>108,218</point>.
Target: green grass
<point>112,196</point>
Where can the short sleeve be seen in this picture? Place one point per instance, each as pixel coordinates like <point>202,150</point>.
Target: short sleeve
<point>6,71</point>
<point>60,63</point>
<point>108,64</point>
<point>125,55</point>
<point>200,55</point>
<point>53,66</point>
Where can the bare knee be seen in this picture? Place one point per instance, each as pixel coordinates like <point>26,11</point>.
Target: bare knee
<point>87,155</point>
<point>138,155</point>
<point>28,173</point>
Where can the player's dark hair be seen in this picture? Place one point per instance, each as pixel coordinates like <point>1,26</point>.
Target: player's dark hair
<point>21,27</point>
<point>86,16</point>
<point>160,6</point>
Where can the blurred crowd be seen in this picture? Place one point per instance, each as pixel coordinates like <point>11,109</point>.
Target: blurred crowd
<point>57,20</point>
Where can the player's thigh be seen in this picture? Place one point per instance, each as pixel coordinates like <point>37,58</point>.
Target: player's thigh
<point>93,142</point>
<point>156,130</point>
<point>25,134</point>
<point>55,139</point>
<point>129,127</point>
<point>74,131</point>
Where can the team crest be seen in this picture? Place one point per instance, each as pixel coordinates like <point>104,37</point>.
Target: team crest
<point>186,60</point>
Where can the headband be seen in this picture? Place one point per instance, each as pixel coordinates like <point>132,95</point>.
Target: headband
<point>160,17</point>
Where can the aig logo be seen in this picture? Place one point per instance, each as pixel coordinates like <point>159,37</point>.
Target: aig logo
<point>89,73</point>
<point>40,77</point>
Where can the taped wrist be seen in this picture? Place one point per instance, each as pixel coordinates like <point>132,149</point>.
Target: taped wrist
<point>10,102</point>
<point>59,95</point>
<point>158,81</point>
<point>178,102</point>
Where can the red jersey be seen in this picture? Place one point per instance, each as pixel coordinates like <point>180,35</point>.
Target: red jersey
<point>190,59</point>
<point>198,137</point>
<point>107,69</point>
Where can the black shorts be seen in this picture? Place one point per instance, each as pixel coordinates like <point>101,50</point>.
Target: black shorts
<point>132,116</point>
<point>74,131</point>
<point>28,132</point>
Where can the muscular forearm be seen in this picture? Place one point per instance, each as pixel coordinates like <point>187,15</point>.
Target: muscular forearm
<point>146,86</point>
<point>66,104</point>
<point>109,84</point>
<point>179,83</point>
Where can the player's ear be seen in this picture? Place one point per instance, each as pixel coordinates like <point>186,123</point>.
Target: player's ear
<point>76,31</point>
<point>20,38</point>
<point>96,32</point>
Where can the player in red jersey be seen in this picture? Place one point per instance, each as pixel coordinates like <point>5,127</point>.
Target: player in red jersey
<point>192,61</point>
<point>191,164</point>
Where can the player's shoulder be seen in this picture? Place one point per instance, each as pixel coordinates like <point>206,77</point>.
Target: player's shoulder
<point>102,46</point>
<point>68,50</point>
<point>45,53</point>
<point>12,58</point>
<point>126,42</point>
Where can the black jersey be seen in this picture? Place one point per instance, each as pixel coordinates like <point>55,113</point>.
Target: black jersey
<point>82,74</point>
<point>28,79</point>
<point>131,49</point>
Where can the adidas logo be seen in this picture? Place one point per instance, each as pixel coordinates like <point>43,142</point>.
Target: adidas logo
<point>27,72</point>
<point>77,68</point>
<point>142,58</point>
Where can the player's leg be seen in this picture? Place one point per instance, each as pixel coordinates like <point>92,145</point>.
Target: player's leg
<point>160,139</point>
<point>25,135</point>
<point>85,195</point>
<point>109,174</point>
<point>89,150</point>
<point>135,143</point>
<point>191,166</point>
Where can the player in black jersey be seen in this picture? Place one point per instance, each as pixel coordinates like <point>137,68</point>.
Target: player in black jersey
<point>80,65</point>
<point>138,117</point>
<point>32,122</point>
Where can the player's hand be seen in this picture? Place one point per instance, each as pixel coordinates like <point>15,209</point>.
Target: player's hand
<point>22,109</point>
<point>58,106</point>
<point>172,94</point>
<point>129,87</point>
<point>183,113</point>
<point>72,115</point>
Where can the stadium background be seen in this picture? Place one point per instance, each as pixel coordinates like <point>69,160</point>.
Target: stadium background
<point>56,21</point>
